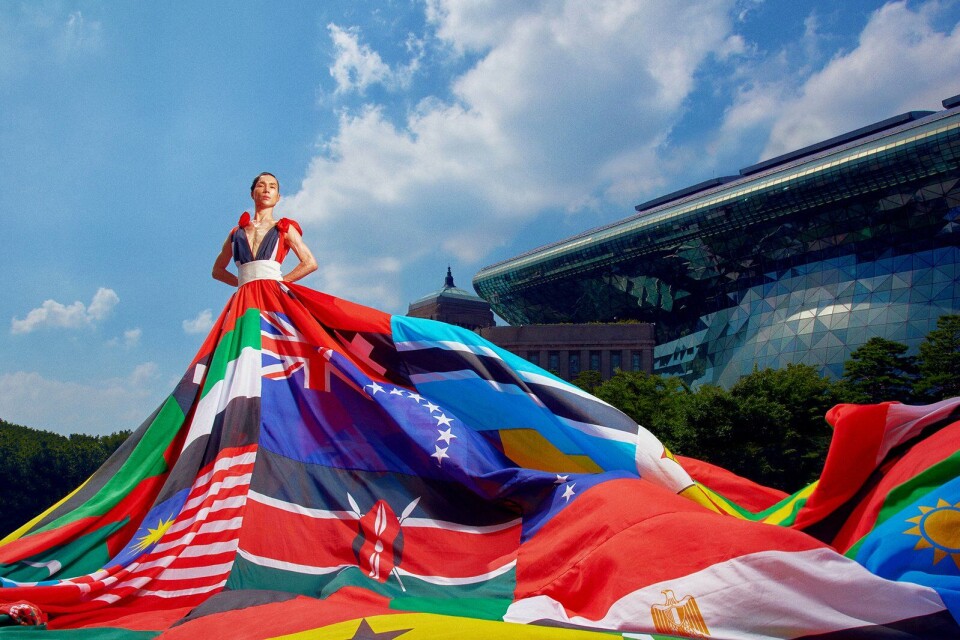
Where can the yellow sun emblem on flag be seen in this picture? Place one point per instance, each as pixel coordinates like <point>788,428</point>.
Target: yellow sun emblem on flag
<point>153,535</point>
<point>939,529</point>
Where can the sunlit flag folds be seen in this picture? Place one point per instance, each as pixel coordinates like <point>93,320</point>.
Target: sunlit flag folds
<point>322,465</point>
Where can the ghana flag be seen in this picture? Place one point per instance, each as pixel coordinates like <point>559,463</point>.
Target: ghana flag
<point>325,470</point>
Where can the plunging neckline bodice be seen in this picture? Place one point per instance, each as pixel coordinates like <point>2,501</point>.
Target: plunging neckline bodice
<point>272,245</point>
<point>255,248</point>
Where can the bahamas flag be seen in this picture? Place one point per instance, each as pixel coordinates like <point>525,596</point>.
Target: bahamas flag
<point>325,470</point>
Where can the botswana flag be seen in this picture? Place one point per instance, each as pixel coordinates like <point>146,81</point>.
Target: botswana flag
<point>328,469</point>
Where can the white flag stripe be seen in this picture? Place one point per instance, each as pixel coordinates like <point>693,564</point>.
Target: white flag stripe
<point>203,541</point>
<point>775,594</point>
<point>447,581</point>
<point>547,381</point>
<point>221,525</point>
<point>449,345</point>
<point>291,507</point>
<point>109,598</point>
<point>131,584</point>
<point>906,421</point>
<point>179,593</point>
<point>276,368</point>
<point>653,464</point>
<point>223,504</point>
<point>151,563</point>
<point>220,504</point>
<point>193,527</point>
<point>222,485</point>
<point>604,433</point>
<point>216,548</point>
<point>168,560</point>
<point>240,380</point>
<point>192,573</point>
<point>214,526</point>
<point>222,464</point>
<point>428,523</point>
<point>291,566</point>
<point>321,514</point>
<point>290,332</point>
<point>160,570</point>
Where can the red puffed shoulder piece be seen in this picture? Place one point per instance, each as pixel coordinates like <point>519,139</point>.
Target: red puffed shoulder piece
<point>244,220</point>
<point>285,223</point>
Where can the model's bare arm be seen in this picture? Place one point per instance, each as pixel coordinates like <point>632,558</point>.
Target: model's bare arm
<point>308,263</point>
<point>220,265</point>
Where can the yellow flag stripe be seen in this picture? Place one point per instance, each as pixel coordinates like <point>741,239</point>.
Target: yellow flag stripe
<point>19,533</point>
<point>706,498</point>
<point>786,511</point>
<point>528,448</point>
<point>430,625</point>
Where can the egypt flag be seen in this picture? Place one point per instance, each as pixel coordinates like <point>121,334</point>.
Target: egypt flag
<point>329,470</point>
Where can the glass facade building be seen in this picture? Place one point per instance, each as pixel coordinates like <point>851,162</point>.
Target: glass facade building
<point>798,259</point>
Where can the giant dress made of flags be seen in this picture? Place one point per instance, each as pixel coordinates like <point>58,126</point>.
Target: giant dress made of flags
<point>326,470</point>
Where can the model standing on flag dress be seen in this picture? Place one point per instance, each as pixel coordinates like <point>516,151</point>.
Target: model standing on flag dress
<point>372,466</point>
<point>263,240</point>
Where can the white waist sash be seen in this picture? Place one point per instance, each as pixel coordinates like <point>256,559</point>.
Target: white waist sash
<point>258,270</point>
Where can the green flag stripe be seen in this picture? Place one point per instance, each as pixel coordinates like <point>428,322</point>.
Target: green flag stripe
<point>245,573</point>
<point>905,494</point>
<point>145,461</point>
<point>245,334</point>
<point>482,608</point>
<point>98,633</point>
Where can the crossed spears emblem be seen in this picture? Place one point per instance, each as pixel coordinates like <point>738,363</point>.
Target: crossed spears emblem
<point>379,544</point>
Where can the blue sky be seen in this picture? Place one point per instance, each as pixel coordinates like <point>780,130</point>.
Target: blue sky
<point>407,135</point>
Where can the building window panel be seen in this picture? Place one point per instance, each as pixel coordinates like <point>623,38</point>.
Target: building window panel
<point>573,361</point>
<point>553,361</point>
<point>615,363</point>
<point>595,361</point>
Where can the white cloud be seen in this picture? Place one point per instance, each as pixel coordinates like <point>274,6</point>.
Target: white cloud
<point>200,324</point>
<point>131,337</point>
<point>96,407</point>
<point>104,300</point>
<point>32,32</point>
<point>356,66</point>
<point>55,314</point>
<point>144,373</point>
<point>79,34</point>
<point>370,279</point>
<point>468,25</point>
<point>563,112</point>
<point>901,63</point>
<point>733,46</point>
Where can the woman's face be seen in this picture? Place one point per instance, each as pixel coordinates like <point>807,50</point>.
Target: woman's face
<point>266,192</point>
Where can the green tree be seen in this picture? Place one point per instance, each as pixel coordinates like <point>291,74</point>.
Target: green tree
<point>588,380</point>
<point>708,427</point>
<point>37,468</point>
<point>939,360</point>
<point>781,436</point>
<point>878,371</point>
<point>656,402</point>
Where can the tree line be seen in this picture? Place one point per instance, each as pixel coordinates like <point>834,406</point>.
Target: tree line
<point>38,468</point>
<point>768,427</point>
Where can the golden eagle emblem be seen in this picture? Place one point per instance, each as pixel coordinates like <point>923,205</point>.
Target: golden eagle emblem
<point>679,616</point>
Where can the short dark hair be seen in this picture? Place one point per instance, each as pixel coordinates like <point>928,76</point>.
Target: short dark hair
<point>260,175</point>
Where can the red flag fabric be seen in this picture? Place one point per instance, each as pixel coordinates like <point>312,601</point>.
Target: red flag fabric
<point>326,466</point>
